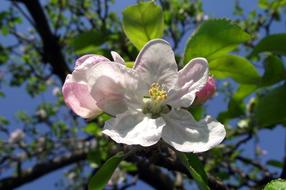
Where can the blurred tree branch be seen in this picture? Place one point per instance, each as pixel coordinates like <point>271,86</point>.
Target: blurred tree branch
<point>52,51</point>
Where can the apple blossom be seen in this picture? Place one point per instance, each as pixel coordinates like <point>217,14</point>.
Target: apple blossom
<point>147,101</point>
<point>16,136</point>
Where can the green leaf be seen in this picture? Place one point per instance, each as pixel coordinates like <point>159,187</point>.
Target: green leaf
<point>196,168</point>
<point>88,41</point>
<point>274,71</point>
<point>236,67</point>
<point>143,22</point>
<point>277,184</point>
<point>93,129</point>
<point>213,38</point>
<point>273,43</point>
<point>275,163</point>
<point>100,179</point>
<point>270,109</point>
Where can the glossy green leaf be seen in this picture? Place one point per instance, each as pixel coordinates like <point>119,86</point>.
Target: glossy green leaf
<point>270,109</point>
<point>278,184</point>
<point>100,179</point>
<point>88,41</point>
<point>143,22</point>
<point>196,168</point>
<point>213,38</point>
<point>274,71</point>
<point>235,67</point>
<point>273,43</point>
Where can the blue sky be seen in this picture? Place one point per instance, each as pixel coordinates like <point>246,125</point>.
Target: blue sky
<point>16,98</point>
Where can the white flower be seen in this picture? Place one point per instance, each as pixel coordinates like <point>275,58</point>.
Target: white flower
<point>16,136</point>
<point>147,101</point>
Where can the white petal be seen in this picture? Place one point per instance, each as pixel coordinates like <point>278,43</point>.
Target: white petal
<point>186,135</point>
<point>192,78</point>
<point>134,129</point>
<point>117,58</point>
<point>156,63</point>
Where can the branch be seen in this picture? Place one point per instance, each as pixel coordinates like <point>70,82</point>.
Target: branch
<point>283,173</point>
<point>41,169</point>
<point>51,48</point>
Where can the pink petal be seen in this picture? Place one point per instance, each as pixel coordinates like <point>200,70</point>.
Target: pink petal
<point>78,98</point>
<point>109,95</point>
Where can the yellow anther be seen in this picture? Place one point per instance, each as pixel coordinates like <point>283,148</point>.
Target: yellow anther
<point>157,93</point>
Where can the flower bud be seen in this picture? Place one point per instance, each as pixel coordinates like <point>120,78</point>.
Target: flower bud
<point>206,92</point>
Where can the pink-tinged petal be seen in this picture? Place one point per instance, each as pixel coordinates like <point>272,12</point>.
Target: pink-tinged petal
<point>117,58</point>
<point>77,97</point>
<point>206,92</point>
<point>90,58</point>
<point>156,63</point>
<point>192,78</point>
<point>134,129</point>
<point>109,95</point>
<point>187,135</point>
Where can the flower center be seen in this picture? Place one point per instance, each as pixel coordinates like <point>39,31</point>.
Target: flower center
<point>157,93</point>
<point>155,104</point>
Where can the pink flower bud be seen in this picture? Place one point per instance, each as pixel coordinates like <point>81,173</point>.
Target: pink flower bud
<point>206,92</point>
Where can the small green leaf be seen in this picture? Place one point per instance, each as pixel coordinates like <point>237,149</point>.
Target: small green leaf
<point>93,129</point>
<point>213,38</point>
<point>100,179</point>
<point>275,163</point>
<point>129,64</point>
<point>270,109</point>
<point>236,67</point>
<point>196,168</point>
<point>274,71</point>
<point>88,41</point>
<point>277,184</point>
<point>143,22</point>
<point>273,43</point>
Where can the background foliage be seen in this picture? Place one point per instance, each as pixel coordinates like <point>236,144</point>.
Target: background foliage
<point>41,40</point>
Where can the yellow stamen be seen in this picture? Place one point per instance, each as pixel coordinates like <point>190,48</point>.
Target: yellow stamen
<point>157,93</point>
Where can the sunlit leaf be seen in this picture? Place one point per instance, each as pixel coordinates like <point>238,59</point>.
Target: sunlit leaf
<point>102,176</point>
<point>235,67</point>
<point>93,129</point>
<point>143,22</point>
<point>88,41</point>
<point>277,184</point>
<point>213,38</point>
